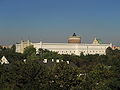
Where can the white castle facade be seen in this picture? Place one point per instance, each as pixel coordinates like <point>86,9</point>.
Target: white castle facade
<point>74,46</point>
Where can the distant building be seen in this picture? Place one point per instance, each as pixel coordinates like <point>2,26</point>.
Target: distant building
<point>3,46</point>
<point>74,46</point>
<point>115,47</point>
<point>20,47</point>
<point>4,60</point>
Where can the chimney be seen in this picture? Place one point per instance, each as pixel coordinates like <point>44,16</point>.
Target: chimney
<point>24,60</point>
<point>45,61</point>
<point>68,62</point>
<point>57,61</point>
<point>52,60</point>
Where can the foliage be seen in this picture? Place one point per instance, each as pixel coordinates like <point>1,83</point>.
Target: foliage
<point>64,77</point>
<point>48,54</point>
<point>90,72</point>
<point>10,54</point>
<point>28,51</point>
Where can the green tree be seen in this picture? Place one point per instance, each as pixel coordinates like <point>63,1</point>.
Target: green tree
<point>33,56</point>
<point>24,76</point>
<point>28,51</point>
<point>64,77</point>
<point>48,54</point>
<point>109,51</point>
<point>99,78</point>
<point>13,48</point>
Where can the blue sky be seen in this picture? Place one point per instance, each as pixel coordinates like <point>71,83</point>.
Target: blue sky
<point>55,20</point>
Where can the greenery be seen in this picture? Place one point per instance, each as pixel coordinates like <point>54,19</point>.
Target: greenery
<point>90,72</point>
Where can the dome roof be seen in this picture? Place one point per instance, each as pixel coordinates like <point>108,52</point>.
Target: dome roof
<point>74,39</point>
<point>74,34</point>
<point>97,41</point>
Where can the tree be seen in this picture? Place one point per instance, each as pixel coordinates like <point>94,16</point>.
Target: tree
<point>64,77</point>
<point>33,56</point>
<point>24,76</point>
<point>109,51</point>
<point>48,54</point>
<point>28,51</point>
<point>99,78</point>
<point>13,48</point>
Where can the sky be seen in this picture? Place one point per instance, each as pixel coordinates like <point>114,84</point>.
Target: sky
<point>56,20</point>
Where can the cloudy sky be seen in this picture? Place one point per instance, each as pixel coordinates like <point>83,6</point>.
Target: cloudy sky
<point>55,20</point>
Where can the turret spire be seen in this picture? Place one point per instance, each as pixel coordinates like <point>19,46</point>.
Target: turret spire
<point>74,34</point>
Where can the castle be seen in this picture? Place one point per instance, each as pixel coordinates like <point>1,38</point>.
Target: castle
<point>74,46</point>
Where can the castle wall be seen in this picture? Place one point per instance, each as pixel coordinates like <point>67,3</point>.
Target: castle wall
<point>67,48</point>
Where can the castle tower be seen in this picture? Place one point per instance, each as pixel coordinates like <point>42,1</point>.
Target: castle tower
<point>74,39</point>
<point>24,44</point>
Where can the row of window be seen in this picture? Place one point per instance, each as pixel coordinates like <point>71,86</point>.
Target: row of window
<point>70,52</point>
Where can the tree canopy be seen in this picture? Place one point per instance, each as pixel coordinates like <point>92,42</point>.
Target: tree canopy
<point>90,72</point>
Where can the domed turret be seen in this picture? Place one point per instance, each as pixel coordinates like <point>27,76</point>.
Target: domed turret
<point>74,39</point>
<point>97,41</point>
